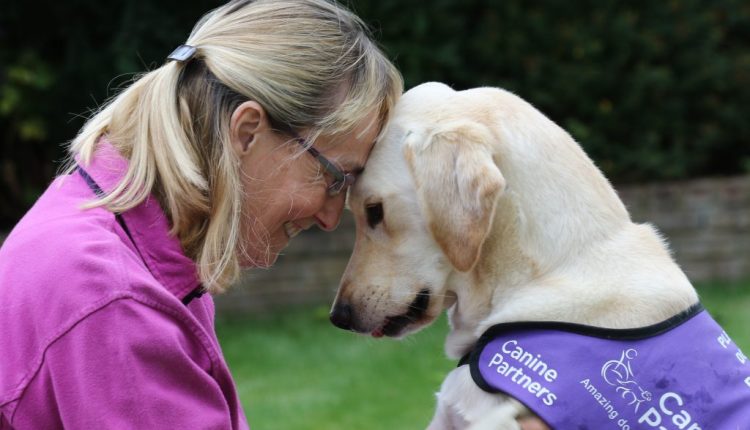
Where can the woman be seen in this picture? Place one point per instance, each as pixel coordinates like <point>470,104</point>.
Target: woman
<point>251,133</point>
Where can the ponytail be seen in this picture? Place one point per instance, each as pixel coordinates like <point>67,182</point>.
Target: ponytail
<point>310,63</point>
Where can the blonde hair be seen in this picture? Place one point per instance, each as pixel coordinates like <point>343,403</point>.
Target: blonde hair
<point>294,57</point>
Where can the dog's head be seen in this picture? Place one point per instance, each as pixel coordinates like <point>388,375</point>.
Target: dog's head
<point>423,208</point>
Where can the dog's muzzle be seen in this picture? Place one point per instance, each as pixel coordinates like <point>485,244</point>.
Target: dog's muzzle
<point>395,324</point>
<point>342,316</point>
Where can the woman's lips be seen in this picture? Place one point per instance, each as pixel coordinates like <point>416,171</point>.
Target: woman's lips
<point>291,229</point>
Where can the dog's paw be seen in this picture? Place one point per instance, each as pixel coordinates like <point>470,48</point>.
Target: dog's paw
<point>464,406</point>
<point>502,417</point>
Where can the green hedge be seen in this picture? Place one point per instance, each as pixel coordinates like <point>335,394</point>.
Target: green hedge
<point>652,90</point>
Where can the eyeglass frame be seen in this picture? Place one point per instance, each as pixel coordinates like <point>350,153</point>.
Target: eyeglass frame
<point>342,180</point>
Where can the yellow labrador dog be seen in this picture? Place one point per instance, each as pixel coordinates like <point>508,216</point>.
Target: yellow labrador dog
<point>475,202</point>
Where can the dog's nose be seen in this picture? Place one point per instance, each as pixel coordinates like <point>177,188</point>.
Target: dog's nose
<point>341,316</point>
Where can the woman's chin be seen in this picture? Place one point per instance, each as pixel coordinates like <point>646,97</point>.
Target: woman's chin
<point>259,262</point>
<point>265,256</point>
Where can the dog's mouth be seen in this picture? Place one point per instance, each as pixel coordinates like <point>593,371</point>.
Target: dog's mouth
<point>394,325</point>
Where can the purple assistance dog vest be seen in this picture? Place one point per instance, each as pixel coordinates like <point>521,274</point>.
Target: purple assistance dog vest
<point>682,374</point>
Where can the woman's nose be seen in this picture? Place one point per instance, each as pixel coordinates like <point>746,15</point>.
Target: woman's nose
<point>330,214</point>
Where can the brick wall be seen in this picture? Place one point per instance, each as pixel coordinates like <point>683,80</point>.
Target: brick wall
<point>706,221</point>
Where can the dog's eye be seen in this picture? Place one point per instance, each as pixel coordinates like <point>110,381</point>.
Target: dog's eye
<point>374,214</point>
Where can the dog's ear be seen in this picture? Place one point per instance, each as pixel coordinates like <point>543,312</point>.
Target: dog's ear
<point>458,185</point>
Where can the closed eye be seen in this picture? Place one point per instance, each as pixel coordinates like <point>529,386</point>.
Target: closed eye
<point>374,213</point>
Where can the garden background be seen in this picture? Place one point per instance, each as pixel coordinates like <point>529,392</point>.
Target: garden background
<point>657,93</point>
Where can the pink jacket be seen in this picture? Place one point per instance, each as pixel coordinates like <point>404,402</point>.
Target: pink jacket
<point>93,330</point>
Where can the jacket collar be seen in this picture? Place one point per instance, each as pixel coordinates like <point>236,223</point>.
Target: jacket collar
<point>147,226</point>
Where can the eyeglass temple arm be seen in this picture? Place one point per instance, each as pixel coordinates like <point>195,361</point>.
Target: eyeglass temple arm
<point>324,161</point>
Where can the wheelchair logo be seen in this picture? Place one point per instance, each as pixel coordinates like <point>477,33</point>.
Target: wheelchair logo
<point>619,374</point>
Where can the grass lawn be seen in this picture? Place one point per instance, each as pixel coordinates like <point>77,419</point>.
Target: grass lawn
<point>296,371</point>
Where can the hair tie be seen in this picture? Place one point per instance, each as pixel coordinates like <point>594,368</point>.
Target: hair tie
<point>182,53</point>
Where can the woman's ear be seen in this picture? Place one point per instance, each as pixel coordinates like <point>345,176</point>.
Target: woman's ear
<point>249,120</point>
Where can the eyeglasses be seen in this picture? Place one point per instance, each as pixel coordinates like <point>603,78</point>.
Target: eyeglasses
<point>341,180</point>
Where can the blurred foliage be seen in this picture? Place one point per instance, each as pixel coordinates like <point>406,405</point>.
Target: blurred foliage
<point>652,90</point>
<point>61,60</point>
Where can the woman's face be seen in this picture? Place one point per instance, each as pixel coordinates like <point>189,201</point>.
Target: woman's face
<point>285,194</point>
